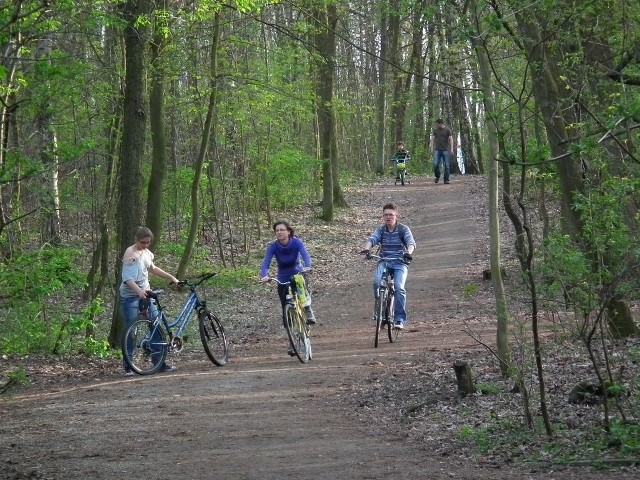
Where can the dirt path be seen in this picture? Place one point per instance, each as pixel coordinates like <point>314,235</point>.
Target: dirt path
<point>266,416</point>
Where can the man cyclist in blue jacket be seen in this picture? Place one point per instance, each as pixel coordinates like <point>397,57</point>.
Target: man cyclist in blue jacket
<point>396,241</point>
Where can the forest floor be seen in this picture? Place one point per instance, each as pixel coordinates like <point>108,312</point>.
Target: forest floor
<point>353,412</point>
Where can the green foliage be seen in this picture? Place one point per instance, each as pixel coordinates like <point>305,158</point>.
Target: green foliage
<point>39,286</point>
<point>13,379</point>
<point>235,278</point>
<point>608,253</point>
<point>488,389</point>
<point>479,437</point>
<point>470,290</point>
<point>290,178</point>
<point>623,440</point>
<point>40,274</point>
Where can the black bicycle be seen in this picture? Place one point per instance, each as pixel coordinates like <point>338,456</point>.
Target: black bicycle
<point>147,341</point>
<point>384,309</point>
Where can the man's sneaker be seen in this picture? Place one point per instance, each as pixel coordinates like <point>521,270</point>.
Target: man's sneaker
<point>446,182</point>
<point>167,368</point>
<point>437,179</point>
<point>291,352</point>
<point>398,326</point>
<point>128,373</point>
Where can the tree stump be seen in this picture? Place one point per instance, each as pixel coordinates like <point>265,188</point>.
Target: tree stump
<point>466,386</point>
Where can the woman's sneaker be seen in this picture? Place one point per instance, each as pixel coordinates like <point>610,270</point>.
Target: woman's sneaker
<point>311,318</point>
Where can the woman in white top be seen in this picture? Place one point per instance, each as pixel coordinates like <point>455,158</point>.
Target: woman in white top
<point>137,263</point>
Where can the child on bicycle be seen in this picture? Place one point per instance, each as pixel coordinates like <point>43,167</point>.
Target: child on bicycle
<point>402,155</point>
<point>137,263</point>
<point>396,241</point>
<point>288,250</point>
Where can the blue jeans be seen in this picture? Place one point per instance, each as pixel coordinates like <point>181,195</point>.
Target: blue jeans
<point>400,271</point>
<point>438,157</point>
<point>131,311</point>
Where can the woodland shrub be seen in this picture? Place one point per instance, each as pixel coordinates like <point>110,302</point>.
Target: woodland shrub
<point>39,313</point>
<point>291,178</point>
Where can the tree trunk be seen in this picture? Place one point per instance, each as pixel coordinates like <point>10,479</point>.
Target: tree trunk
<point>381,104</point>
<point>134,126</point>
<point>157,121</point>
<point>502,316</point>
<point>324,45</point>
<point>417,146</point>
<point>620,319</point>
<point>464,378</point>
<point>202,154</point>
<point>48,146</point>
<point>100,257</point>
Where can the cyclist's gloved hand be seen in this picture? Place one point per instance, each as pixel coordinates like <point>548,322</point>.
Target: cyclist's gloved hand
<point>366,253</point>
<point>407,257</point>
<point>264,279</point>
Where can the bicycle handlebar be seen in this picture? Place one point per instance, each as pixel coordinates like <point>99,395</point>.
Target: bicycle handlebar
<point>274,279</point>
<point>370,256</point>
<point>197,281</point>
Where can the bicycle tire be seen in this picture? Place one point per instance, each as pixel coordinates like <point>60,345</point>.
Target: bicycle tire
<point>390,318</point>
<point>214,340</point>
<point>402,177</point>
<point>138,346</point>
<point>297,331</point>
<point>378,314</point>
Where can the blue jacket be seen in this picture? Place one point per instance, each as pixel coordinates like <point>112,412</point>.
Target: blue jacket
<point>287,257</point>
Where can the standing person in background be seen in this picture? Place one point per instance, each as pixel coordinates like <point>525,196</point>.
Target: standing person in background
<point>401,155</point>
<point>137,263</point>
<point>288,251</point>
<point>442,149</point>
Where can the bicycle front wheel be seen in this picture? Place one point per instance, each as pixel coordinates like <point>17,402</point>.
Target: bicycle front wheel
<point>378,314</point>
<point>390,318</point>
<point>145,346</point>
<point>298,333</point>
<point>213,338</point>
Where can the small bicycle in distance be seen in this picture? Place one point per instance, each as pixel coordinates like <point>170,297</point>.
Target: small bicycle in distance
<point>384,309</point>
<point>401,169</point>
<point>147,341</point>
<point>295,322</point>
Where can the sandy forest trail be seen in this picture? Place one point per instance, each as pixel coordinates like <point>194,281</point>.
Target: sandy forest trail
<point>265,415</point>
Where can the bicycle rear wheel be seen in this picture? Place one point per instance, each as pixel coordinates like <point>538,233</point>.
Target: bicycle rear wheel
<point>213,338</point>
<point>298,333</point>
<point>378,314</point>
<point>145,346</point>
<point>390,318</point>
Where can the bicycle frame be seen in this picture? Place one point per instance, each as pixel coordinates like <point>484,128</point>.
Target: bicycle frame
<point>385,292</point>
<point>293,300</point>
<point>148,340</point>
<point>192,303</point>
